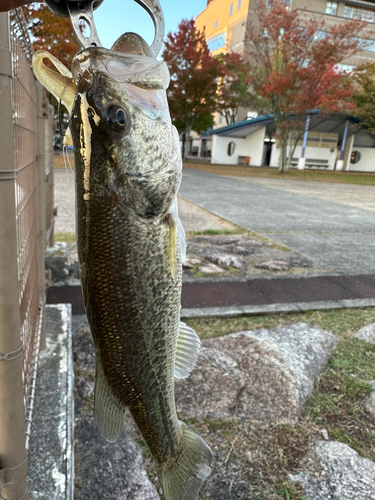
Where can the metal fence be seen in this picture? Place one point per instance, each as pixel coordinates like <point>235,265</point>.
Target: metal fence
<point>26,227</point>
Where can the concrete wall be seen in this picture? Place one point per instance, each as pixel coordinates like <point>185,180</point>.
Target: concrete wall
<point>252,146</point>
<point>366,163</point>
<point>218,11</point>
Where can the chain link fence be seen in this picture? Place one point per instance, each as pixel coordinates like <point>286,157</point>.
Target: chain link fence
<point>26,228</point>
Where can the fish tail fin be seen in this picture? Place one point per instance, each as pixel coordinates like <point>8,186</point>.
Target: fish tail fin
<point>183,477</point>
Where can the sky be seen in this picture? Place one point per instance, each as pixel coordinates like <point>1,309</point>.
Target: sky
<point>115,17</point>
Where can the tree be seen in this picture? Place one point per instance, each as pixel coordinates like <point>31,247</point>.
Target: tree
<point>233,89</point>
<point>51,32</point>
<point>364,95</point>
<point>194,73</point>
<point>293,70</point>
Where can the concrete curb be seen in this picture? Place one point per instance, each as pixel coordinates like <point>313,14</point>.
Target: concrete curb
<point>51,459</point>
<point>232,311</point>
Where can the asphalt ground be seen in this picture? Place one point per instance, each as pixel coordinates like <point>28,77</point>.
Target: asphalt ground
<point>331,224</point>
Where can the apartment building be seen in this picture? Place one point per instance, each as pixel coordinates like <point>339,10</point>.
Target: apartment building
<point>226,22</point>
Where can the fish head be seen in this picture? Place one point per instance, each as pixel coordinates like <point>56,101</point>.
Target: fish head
<point>125,143</point>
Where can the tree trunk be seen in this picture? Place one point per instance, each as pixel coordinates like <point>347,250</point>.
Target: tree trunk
<point>283,167</point>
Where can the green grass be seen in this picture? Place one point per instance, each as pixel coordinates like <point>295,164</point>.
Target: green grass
<point>66,237</point>
<point>207,232</point>
<point>336,405</point>
<point>367,179</point>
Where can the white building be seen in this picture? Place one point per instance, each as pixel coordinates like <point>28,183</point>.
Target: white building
<point>337,143</point>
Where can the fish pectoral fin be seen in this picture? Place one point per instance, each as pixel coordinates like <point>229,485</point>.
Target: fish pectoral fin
<point>109,412</point>
<point>188,345</point>
<point>60,83</point>
<point>182,239</point>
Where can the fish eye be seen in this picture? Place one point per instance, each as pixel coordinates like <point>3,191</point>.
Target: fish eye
<point>118,118</point>
<point>121,117</point>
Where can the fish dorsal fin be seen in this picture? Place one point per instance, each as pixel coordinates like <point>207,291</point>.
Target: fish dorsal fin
<point>109,412</point>
<point>188,345</point>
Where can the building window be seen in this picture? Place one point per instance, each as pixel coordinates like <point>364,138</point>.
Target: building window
<point>217,42</point>
<point>368,45</point>
<point>231,148</point>
<point>231,10</point>
<point>355,157</point>
<point>286,2</point>
<point>331,8</point>
<point>216,24</point>
<point>359,14</point>
<point>319,35</point>
<point>348,68</point>
<point>238,4</point>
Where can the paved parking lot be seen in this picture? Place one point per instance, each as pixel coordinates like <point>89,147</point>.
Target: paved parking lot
<point>332,224</point>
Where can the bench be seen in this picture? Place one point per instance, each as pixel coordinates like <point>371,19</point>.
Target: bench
<point>312,162</point>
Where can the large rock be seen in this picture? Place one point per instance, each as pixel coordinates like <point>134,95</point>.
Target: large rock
<point>367,333</point>
<point>265,375</point>
<point>221,259</point>
<point>336,472</point>
<point>370,403</point>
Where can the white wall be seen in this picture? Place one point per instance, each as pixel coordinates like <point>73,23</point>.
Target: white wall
<point>311,152</point>
<point>367,161</point>
<point>251,146</point>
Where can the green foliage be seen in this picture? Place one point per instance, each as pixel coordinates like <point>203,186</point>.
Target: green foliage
<point>364,97</point>
<point>233,89</point>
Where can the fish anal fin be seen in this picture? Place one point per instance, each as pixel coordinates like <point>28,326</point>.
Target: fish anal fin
<point>183,478</point>
<point>188,345</point>
<point>109,412</point>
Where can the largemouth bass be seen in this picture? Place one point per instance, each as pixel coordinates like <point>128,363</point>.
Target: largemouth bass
<point>130,245</point>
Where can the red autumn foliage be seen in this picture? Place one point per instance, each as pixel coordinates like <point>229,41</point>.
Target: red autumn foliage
<point>192,91</point>
<point>233,89</point>
<point>51,32</point>
<point>293,70</point>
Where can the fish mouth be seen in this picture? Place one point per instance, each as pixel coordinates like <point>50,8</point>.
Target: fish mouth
<point>84,83</point>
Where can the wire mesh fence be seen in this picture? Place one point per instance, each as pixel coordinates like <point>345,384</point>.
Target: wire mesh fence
<point>26,227</point>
